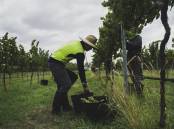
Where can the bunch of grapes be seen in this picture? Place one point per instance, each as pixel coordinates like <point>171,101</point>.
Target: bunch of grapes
<point>91,100</point>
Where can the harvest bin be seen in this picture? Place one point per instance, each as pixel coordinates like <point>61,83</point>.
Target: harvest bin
<point>97,110</point>
<point>77,103</point>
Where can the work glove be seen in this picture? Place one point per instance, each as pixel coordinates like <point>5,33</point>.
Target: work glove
<point>85,88</point>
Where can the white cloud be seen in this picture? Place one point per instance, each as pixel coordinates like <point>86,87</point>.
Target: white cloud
<point>155,30</point>
<point>52,22</point>
<point>56,22</point>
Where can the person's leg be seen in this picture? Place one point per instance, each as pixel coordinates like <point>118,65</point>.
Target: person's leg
<point>65,85</point>
<point>57,103</point>
<point>73,77</point>
<point>138,86</point>
<point>137,76</point>
<point>63,81</point>
<point>66,105</point>
<point>57,100</point>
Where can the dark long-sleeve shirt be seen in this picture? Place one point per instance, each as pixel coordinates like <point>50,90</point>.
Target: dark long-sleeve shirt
<point>134,46</point>
<point>80,57</point>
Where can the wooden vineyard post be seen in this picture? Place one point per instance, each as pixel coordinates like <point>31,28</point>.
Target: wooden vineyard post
<point>124,55</point>
<point>164,20</point>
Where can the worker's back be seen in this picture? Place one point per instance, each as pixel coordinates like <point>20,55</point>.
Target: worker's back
<point>134,46</point>
<point>64,54</point>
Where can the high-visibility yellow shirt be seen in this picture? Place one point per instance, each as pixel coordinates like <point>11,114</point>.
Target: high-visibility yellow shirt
<point>63,54</point>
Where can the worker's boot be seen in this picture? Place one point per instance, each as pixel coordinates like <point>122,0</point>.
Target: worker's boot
<point>57,103</point>
<point>66,106</point>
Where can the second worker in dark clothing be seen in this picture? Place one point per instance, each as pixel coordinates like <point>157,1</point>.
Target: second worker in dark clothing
<point>65,78</point>
<point>134,47</point>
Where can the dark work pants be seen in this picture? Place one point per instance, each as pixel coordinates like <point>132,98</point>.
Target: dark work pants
<point>136,69</point>
<point>64,79</point>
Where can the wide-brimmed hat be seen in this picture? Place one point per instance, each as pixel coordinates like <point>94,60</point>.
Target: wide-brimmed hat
<point>90,40</point>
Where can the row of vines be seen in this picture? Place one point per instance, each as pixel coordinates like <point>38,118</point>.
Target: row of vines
<point>14,59</point>
<point>133,16</point>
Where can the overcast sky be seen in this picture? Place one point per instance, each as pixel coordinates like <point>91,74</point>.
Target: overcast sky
<point>55,22</point>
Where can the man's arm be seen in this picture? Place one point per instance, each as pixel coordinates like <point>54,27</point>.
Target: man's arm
<point>80,63</point>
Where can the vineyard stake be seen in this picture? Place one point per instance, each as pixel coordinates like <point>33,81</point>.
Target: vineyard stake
<point>124,55</point>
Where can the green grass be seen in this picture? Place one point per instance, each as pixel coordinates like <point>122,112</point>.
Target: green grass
<point>29,107</point>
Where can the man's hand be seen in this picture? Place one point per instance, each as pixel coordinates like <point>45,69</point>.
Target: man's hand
<point>86,90</point>
<point>85,87</point>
